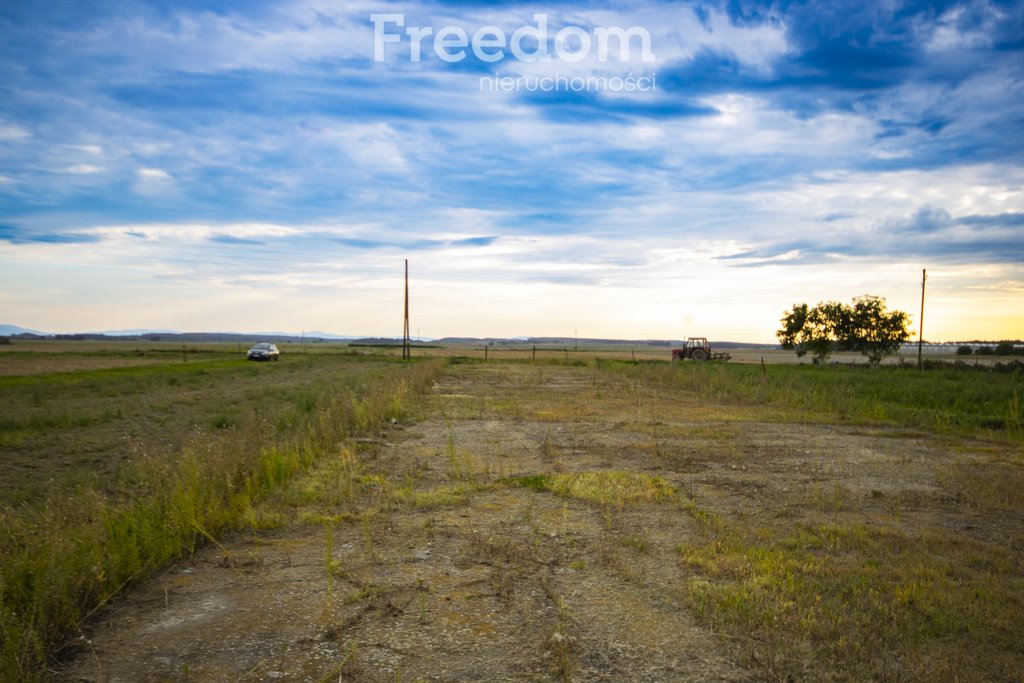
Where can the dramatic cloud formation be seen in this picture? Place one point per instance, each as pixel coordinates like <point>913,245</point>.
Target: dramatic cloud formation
<point>199,165</point>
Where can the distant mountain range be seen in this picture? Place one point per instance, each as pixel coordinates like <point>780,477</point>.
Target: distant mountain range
<point>173,335</point>
<point>11,330</point>
<point>136,334</point>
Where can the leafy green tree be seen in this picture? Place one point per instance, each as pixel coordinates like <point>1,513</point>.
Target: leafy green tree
<point>809,329</point>
<point>865,326</point>
<point>873,330</point>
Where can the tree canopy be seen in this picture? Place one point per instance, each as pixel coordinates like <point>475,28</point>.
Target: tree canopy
<point>865,326</point>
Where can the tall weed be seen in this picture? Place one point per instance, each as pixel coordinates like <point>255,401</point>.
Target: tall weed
<point>65,558</point>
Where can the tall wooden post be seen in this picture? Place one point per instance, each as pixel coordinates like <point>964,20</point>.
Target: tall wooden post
<point>920,321</point>
<point>406,350</point>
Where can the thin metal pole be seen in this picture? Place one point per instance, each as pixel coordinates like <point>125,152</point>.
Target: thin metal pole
<point>406,351</point>
<point>920,322</point>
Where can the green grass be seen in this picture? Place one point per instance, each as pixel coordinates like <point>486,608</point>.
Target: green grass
<point>960,402</point>
<point>104,526</point>
<point>608,488</point>
<point>859,602</point>
<point>122,414</point>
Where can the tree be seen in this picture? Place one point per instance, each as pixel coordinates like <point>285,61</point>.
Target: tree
<point>809,329</point>
<point>874,331</point>
<point>865,326</point>
<point>1005,348</point>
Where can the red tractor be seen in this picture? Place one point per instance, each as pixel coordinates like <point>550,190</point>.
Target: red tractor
<point>697,348</point>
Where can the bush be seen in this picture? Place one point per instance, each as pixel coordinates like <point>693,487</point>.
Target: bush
<point>5,341</point>
<point>1006,348</point>
<point>964,350</point>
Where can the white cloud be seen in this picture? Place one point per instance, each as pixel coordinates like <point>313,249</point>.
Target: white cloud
<point>153,174</point>
<point>85,169</point>
<point>947,35</point>
<point>12,132</point>
<point>374,146</point>
<point>154,183</point>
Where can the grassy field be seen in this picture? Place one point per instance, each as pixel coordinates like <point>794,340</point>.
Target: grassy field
<point>110,473</point>
<point>121,404</point>
<point>817,523</point>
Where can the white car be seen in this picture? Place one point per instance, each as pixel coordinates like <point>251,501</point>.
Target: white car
<point>263,351</point>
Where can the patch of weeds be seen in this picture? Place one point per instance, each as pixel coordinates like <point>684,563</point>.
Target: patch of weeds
<point>537,482</point>
<point>224,421</point>
<point>833,500</point>
<point>441,496</point>
<point>261,519</point>
<point>368,539</point>
<point>997,485</point>
<point>863,598</point>
<point>611,488</point>
<point>316,518</point>
<point>305,401</point>
<point>637,543</point>
<point>348,669</point>
<point>547,447</point>
<point>461,464</point>
<point>500,548</point>
<point>422,590</point>
<point>561,648</point>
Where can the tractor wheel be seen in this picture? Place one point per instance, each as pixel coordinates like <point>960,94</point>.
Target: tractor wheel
<point>699,354</point>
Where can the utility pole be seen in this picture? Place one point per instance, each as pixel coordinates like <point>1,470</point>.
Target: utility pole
<point>406,351</point>
<point>920,321</point>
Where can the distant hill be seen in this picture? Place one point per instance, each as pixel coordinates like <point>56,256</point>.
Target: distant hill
<point>316,336</point>
<point>572,341</point>
<point>11,330</point>
<point>241,337</point>
<point>136,334</point>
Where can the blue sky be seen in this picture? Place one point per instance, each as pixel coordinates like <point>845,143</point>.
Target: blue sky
<point>255,166</point>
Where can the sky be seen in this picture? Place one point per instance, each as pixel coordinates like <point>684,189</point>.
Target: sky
<point>632,170</point>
